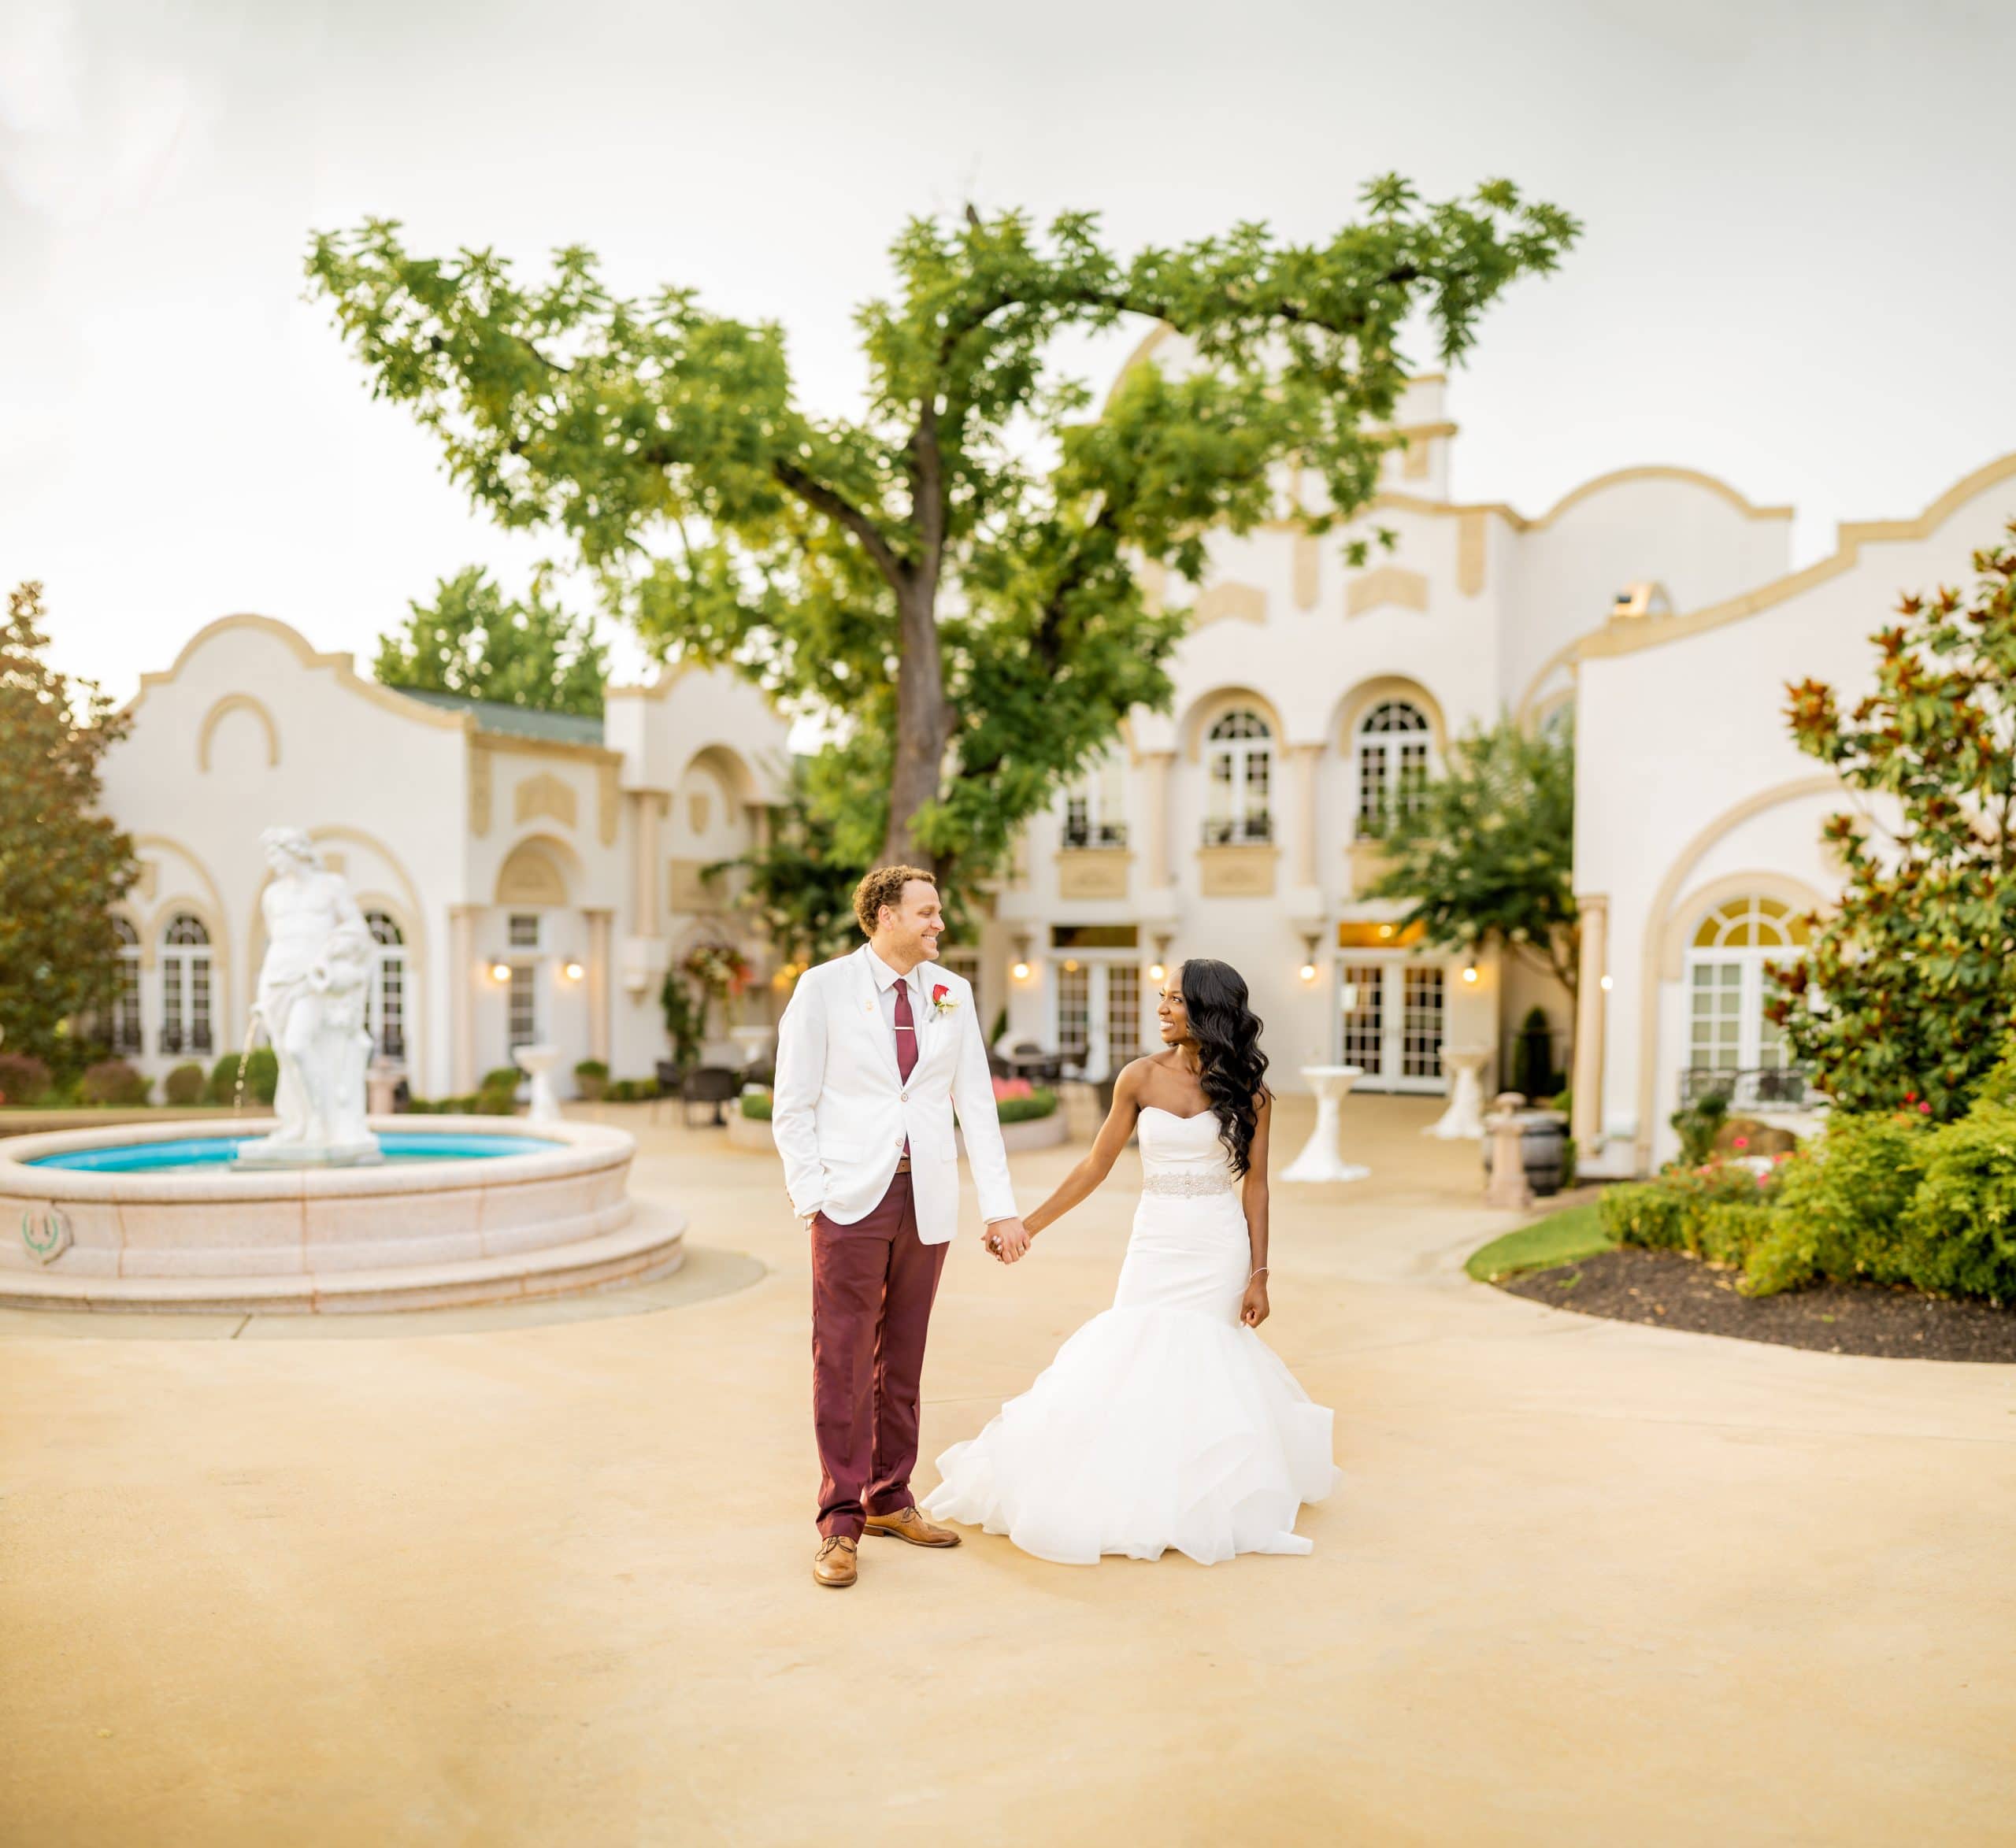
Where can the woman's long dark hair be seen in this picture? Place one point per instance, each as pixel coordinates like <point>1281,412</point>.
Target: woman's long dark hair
<point>1228,1036</point>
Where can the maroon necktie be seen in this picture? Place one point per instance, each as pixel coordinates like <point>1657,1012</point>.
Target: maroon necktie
<point>906,1042</point>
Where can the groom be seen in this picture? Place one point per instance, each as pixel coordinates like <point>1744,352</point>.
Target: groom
<point>875,1051</point>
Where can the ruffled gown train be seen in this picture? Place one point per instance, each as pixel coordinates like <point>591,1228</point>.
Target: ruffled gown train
<point>1163,1422</point>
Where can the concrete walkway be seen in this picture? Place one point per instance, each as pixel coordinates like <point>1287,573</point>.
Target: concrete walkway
<point>544,1581</point>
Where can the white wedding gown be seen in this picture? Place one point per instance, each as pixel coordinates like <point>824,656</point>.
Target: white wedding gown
<point>1164,1421</point>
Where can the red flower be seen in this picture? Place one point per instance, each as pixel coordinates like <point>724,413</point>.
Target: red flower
<point>1743,1141</point>
<point>1925,1110</point>
<point>938,992</point>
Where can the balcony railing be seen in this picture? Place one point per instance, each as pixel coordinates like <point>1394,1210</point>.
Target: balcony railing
<point>1104,834</point>
<point>1757,1087</point>
<point>1239,831</point>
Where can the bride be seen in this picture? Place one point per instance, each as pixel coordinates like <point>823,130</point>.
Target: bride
<point>1166,1421</point>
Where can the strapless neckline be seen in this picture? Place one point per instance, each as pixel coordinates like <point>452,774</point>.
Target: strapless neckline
<point>1193,1117</point>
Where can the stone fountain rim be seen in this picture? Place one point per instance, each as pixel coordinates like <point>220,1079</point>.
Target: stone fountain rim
<point>578,1148</point>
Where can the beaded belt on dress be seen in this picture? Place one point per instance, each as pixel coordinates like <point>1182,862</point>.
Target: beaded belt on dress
<point>1187,1186</point>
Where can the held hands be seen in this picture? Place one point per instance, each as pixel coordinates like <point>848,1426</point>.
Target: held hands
<point>1253,1308</point>
<point>1007,1238</point>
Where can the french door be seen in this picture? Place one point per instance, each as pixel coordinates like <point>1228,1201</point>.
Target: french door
<point>1390,1014</point>
<point>1099,1015</point>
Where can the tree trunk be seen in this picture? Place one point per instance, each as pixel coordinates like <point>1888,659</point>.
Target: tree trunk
<point>921,723</point>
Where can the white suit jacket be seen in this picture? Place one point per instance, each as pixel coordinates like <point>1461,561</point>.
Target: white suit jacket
<point>841,1111</point>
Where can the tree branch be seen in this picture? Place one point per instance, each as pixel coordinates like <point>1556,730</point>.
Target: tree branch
<point>837,508</point>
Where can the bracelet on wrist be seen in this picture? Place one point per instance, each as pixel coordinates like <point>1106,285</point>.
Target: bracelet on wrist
<point>1251,1275</point>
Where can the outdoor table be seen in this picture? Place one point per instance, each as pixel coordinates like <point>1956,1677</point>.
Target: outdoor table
<point>1464,1118</point>
<point>1320,1159</point>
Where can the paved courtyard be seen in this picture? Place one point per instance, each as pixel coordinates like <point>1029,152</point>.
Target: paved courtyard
<point>515,1576</point>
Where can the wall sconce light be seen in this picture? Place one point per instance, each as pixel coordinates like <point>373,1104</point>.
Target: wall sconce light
<point>1386,930</point>
<point>572,971</point>
<point>500,971</point>
<point>1469,971</point>
<point>1159,970</point>
<point>1071,965</point>
<point>1309,955</point>
<point>1020,969</point>
<point>1604,984</point>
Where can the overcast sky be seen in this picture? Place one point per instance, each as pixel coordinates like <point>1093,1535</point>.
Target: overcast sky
<point>1798,271</point>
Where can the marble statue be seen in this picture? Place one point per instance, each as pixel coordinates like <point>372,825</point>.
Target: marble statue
<point>313,986</point>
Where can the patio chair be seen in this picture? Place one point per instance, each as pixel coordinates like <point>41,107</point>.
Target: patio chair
<point>709,1084</point>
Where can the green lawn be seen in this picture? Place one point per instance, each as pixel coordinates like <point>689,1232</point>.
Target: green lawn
<point>1560,1237</point>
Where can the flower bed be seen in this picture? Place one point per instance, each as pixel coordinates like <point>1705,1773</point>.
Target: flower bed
<point>1885,1197</point>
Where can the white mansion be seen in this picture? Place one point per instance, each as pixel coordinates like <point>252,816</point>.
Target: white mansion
<point>531,877</point>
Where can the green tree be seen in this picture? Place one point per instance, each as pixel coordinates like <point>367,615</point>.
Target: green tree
<point>61,863</point>
<point>951,577</point>
<point>1483,853</point>
<point>798,888</point>
<point>1907,989</point>
<point>473,640</point>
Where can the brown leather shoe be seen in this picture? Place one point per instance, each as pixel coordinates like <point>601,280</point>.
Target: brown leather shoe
<point>834,1563</point>
<point>907,1523</point>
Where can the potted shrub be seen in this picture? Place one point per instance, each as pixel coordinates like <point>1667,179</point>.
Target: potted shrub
<point>591,1079</point>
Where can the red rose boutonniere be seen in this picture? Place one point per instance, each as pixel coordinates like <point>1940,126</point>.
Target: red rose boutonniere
<point>942,1002</point>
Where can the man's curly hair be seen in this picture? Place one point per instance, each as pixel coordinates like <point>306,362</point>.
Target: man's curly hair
<point>885,885</point>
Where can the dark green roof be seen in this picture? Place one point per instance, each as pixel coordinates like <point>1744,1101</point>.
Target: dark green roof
<point>513,722</point>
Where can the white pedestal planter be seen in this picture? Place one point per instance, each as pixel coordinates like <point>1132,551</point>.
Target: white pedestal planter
<point>537,1063</point>
<point>1464,1119</point>
<point>1320,1159</point>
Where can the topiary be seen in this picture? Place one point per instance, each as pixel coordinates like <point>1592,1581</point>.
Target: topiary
<point>185,1085</point>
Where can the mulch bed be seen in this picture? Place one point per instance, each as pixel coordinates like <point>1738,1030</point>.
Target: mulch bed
<point>1670,1290</point>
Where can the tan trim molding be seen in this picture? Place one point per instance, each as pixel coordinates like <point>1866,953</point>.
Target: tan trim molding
<point>1394,503</point>
<point>510,744</point>
<point>1662,907</point>
<point>235,702</point>
<point>1207,709</point>
<point>343,666</point>
<point>1242,602</point>
<point>1625,636</point>
<point>1389,584</point>
<point>1526,711</point>
<point>1357,700</point>
<point>1688,912</point>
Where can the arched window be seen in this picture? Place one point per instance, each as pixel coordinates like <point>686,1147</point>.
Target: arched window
<point>1726,989</point>
<point>1392,764</point>
<point>387,1019</point>
<point>1239,758</point>
<point>126,1040</point>
<point>185,986</point>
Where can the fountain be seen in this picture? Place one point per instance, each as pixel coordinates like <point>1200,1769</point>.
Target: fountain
<point>329,1209</point>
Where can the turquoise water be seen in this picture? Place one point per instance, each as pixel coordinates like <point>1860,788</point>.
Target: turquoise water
<point>198,1152</point>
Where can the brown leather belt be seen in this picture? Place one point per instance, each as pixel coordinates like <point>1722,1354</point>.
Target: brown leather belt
<point>903,1164</point>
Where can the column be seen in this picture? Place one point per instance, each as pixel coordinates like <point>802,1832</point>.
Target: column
<point>1304,757</point>
<point>463,976</point>
<point>599,918</point>
<point>645,872</point>
<point>1586,1124</point>
<point>1155,767</point>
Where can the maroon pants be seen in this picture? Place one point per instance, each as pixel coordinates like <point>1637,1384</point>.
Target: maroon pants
<point>873,1285</point>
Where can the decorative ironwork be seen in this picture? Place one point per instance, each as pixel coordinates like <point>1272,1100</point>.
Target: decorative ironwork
<point>1103,834</point>
<point>1782,1087</point>
<point>1239,830</point>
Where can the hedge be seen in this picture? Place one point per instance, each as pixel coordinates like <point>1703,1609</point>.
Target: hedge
<point>1879,1197</point>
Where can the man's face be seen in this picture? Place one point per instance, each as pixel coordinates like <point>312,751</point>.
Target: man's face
<point>915,925</point>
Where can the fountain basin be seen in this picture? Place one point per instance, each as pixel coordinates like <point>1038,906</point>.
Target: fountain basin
<point>466,1210</point>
